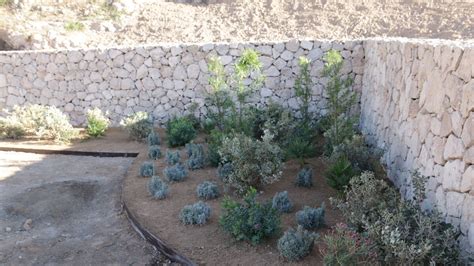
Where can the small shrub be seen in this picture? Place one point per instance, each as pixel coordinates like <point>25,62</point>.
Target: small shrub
<point>311,218</point>
<point>254,162</point>
<point>154,152</point>
<point>74,26</point>
<point>207,190</point>
<point>147,169</point>
<point>11,128</point>
<point>197,213</point>
<point>214,143</point>
<point>172,158</point>
<point>180,131</point>
<point>250,221</point>
<point>277,120</point>
<point>339,174</point>
<point>153,138</point>
<point>196,156</point>
<point>300,148</point>
<point>157,188</point>
<point>357,152</point>
<point>343,246</point>
<point>281,202</point>
<point>176,173</point>
<point>296,244</point>
<point>224,170</point>
<point>97,122</point>
<point>304,178</point>
<point>138,125</point>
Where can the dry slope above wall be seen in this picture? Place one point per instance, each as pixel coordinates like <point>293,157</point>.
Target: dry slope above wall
<point>417,104</point>
<point>163,80</point>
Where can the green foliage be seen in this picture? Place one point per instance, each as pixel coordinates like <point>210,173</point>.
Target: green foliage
<point>214,144</point>
<point>158,188</point>
<point>224,170</point>
<point>180,131</point>
<point>44,122</point>
<point>197,213</point>
<point>192,117</point>
<point>197,159</point>
<point>340,173</point>
<point>153,138</point>
<point>147,169</point>
<point>281,202</point>
<point>300,148</point>
<point>357,152</point>
<point>296,244</point>
<point>403,232</point>
<point>305,177</point>
<point>207,190</point>
<point>303,88</point>
<point>311,218</point>
<point>277,120</point>
<point>74,26</point>
<point>172,158</point>
<point>138,125</point>
<point>5,2</point>
<point>340,122</point>
<point>97,122</point>
<point>343,246</point>
<point>254,162</point>
<point>176,173</point>
<point>154,152</point>
<point>250,220</point>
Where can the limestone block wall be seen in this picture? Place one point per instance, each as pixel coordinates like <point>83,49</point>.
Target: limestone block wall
<point>418,105</point>
<point>163,80</point>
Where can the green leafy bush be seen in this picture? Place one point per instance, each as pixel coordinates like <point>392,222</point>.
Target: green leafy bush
<point>311,218</point>
<point>304,178</point>
<point>300,148</point>
<point>214,144</point>
<point>153,138</point>
<point>97,122</point>
<point>340,173</point>
<point>44,122</point>
<point>147,169</point>
<point>254,162</point>
<point>180,131</point>
<point>207,190</point>
<point>343,246</point>
<point>277,120</point>
<point>172,158</point>
<point>157,188</point>
<point>281,202</point>
<point>154,152</point>
<point>250,220</point>
<point>176,173</point>
<point>138,125</point>
<point>197,159</point>
<point>296,244</point>
<point>357,152</point>
<point>304,88</point>
<point>197,213</point>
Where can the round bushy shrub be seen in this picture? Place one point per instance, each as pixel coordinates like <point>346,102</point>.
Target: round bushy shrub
<point>224,170</point>
<point>97,122</point>
<point>153,138</point>
<point>281,202</point>
<point>196,156</point>
<point>339,173</point>
<point>154,152</point>
<point>305,177</point>
<point>311,218</point>
<point>147,169</point>
<point>172,158</point>
<point>197,213</point>
<point>138,125</point>
<point>176,173</point>
<point>207,190</point>
<point>157,188</point>
<point>180,131</point>
<point>296,244</point>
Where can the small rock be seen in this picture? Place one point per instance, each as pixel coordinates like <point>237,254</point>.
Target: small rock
<point>28,224</point>
<point>8,229</point>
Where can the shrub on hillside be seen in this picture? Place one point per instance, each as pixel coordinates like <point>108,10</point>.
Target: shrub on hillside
<point>207,190</point>
<point>97,122</point>
<point>196,157</point>
<point>172,158</point>
<point>197,213</point>
<point>153,138</point>
<point>138,125</point>
<point>224,170</point>
<point>296,244</point>
<point>176,173</point>
<point>339,174</point>
<point>311,218</point>
<point>154,152</point>
<point>157,188</point>
<point>281,202</point>
<point>214,144</point>
<point>357,152</point>
<point>147,169</point>
<point>304,178</point>
<point>180,131</point>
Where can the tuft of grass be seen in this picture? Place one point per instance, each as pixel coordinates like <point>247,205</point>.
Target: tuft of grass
<point>73,26</point>
<point>4,3</point>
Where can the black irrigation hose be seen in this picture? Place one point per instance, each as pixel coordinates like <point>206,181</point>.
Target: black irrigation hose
<point>71,152</point>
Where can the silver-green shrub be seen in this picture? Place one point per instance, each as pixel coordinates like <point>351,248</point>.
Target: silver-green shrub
<point>281,202</point>
<point>224,170</point>
<point>153,138</point>
<point>304,178</point>
<point>197,213</point>
<point>97,122</point>
<point>296,244</point>
<point>138,125</point>
<point>158,188</point>
<point>147,169</point>
<point>196,157</point>
<point>154,152</point>
<point>176,173</point>
<point>172,158</point>
<point>311,218</point>
<point>207,190</point>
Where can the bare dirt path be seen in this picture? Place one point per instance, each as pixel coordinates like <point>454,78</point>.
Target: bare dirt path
<point>57,209</point>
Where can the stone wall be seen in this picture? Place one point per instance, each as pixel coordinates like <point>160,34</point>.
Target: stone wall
<point>163,80</point>
<point>417,104</point>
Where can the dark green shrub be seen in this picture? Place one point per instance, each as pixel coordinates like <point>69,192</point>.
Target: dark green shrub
<point>157,188</point>
<point>250,220</point>
<point>197,159</point>
<point>172,158</point>
<point>304,89</point>
<point>97,122</point>
<point>305,177</point>
<point>147,169</point>
<point>357,152</point>
<point>214,143</point>
<point>154,152</point>
<point>153,138</point>
<point>300,149</point>
<point>281,202</point>
<point>138,125</point>
<point>340,173</point>
<point>180,131</point>
<point>197,213</point>
<point>311,218</point>
<point>207,190</point>
<point>176,173</point>
<point>296,244</point>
